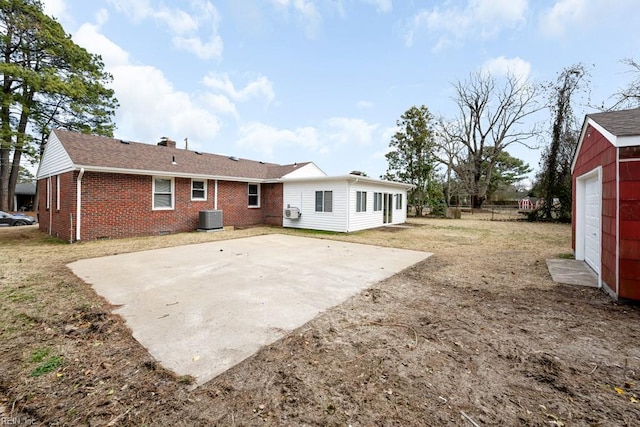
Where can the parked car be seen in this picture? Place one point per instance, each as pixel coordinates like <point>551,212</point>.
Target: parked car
<point>7,219</point>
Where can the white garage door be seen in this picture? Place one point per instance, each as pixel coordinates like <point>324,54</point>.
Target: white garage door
<point>592,223</point>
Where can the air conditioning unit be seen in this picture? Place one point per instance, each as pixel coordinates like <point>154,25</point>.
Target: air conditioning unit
<point>210,220</point>
<point>292,213</point>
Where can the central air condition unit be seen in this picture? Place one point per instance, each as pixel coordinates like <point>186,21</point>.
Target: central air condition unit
<point>292,213</point>
<point>210,221</point>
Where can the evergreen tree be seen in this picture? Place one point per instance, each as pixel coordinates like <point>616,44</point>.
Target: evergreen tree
<point>47,81</point>
<point>413,160</point>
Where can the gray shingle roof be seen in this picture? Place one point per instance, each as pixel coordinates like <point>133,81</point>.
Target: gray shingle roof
<point>108,153</point>
<point>619,123</point>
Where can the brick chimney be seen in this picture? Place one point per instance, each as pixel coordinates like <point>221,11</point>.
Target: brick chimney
<point>167,142</point>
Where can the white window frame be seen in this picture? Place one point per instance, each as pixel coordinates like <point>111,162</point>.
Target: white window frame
<point>361,201</point>
<point>399,201</point>
<point>249,194</point>
<point>324,199</point>
<point>204,189</point>
<point>48,202</point>
<point>153,194</point>
<point>377,202</point>
<point>57,192</point>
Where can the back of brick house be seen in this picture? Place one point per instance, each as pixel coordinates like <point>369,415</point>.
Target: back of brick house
<point>93,187</point>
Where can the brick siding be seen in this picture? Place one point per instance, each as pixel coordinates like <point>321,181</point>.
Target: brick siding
<point>120,205</point>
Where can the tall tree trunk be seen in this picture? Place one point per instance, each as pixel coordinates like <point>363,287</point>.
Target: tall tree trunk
<point>5,128</point>
<point>20,145</point>
<point>477,198</point>
<point>5,149</point>
<point>4,176</point>
<point>476,201</point>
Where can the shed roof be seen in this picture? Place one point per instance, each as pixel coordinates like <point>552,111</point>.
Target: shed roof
<point>118,155</point>
<point>619,123</point>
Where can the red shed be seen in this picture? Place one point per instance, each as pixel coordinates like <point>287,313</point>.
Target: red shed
<point>606,200</point>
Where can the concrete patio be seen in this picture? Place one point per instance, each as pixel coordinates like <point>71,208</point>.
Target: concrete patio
<point>200,309</point>
<point>572,272</point>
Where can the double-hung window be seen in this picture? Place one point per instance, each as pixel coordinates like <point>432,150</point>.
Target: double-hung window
<point>198,189</point>
<point>253,191</point>
<point>58,192</point>
<point>377,202</point>
<point>324,201</point>
<point>48,201</point>
<point>361,201</point>
<point>398,201</point>
<point>163,196</point>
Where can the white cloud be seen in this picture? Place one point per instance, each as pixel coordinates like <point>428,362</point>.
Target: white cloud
<point>102,16</point>
<point>452,23</point>
<point>388,133</point>
<point>502,66</point>
<point>149,104</point>
<point>306,13</point>
<point>337,134</point>
<point>220,104</point>
<point>265,139</point>
<point>260,87</point>
<point>579,16</point>
<point>382,6</point>
<point>203,50</point>
<point>350,131</point>
<point>89,37</point>
<point>151,107</point>
<point>187,29</point>
<point>57,8</point>
<point>364,105</point>
<point>565,13</point>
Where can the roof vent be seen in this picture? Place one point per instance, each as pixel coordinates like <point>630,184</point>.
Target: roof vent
<point>122,141</point>
<point>234,158</point>
<point>198,153</point>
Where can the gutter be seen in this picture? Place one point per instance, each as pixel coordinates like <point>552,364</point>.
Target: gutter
<point>90,168</point>
<point>79,202</point>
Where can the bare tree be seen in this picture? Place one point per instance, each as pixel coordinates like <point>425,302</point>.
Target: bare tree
<point>491,115</point>
<point>447,154</point>
<point>629,97</point>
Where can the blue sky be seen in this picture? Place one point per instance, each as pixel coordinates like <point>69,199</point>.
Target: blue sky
<point>325,80</point>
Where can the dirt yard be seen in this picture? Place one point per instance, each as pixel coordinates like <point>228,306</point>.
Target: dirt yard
<point>476,335</point>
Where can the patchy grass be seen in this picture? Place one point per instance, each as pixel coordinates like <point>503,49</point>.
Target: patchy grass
<point>478,329</point>
<point>50,365</point>
<point>566,255</point>
<point>38,355</point>
<point>312,233</point>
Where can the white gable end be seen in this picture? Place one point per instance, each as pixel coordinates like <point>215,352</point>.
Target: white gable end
<point>307,171</point>
<point>55,159</point>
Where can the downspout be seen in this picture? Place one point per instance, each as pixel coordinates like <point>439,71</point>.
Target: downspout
<point>79,202</point>
<point>49,200</point>
<point>349,184</point>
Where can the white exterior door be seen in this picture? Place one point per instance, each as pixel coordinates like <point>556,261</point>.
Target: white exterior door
<point>592,227</point>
